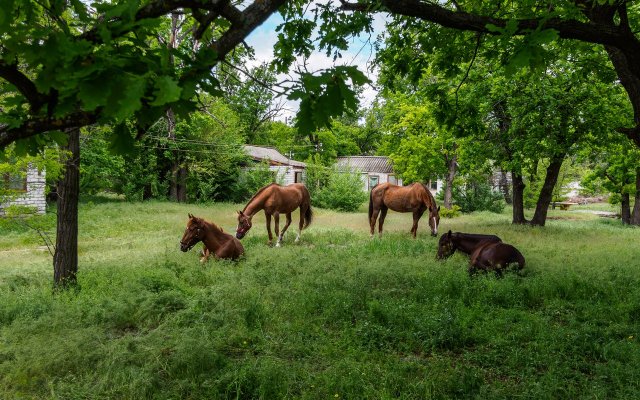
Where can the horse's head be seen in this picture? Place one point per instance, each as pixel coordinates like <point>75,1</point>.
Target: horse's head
<point>244,224</point>
<point>446,247</point>
<point>192,234</point>
<point>434,219</point>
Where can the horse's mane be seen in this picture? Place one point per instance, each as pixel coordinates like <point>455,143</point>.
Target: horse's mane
<point>204,221</point>
<point>433,200</point>
<point>256,195</point>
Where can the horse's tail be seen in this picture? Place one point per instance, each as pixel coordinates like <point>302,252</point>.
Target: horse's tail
<point>370,204</point>
<point>308,216</point>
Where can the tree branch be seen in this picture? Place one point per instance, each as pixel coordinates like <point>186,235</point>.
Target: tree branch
<point>567,28</point>
<point>36,126</point>
<point>27,88</point>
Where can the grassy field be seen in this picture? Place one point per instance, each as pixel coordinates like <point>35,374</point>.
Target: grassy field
<point>339,315</point>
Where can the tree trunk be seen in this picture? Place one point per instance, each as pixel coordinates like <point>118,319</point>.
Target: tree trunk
<point>504,186</point>
<point>625,211</point>
<point>65,258</point>
<point>546,193</point>
<point>177,189</point>
<point>635,218</point>
<point>518,199</point>
<point>452,167</point>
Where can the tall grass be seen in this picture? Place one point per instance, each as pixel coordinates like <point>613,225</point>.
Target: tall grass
<point>339,315</point>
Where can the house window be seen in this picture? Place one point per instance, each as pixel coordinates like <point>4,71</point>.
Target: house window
<point>373,180</point>
<point>298,177</point>
<point>393,180</point>
<point>14,182</point>
<point>434,185</point>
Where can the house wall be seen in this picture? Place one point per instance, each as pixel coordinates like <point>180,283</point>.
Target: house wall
<point>286,174</point>
<point>35,194</point>
<point>382,178</point>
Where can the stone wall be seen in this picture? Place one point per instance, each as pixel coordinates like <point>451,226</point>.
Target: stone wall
<point>34,197</point>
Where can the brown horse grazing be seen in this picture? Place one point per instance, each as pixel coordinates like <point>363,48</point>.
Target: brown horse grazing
<point>494,256</point>
<point>465,242</point>
<point>216,242</point>
<point>415,198</point>
<point>275,200</point>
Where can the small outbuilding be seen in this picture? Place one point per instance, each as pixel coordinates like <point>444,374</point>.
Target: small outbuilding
<point>285,170</point>
<point>24,190</point>
<point>372,170</point>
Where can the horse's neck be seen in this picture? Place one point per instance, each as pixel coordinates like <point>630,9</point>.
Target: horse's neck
<point>213,237</point>
<point>254,206</point>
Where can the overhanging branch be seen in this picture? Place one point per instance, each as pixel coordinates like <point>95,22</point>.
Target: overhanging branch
<point>567,28</point>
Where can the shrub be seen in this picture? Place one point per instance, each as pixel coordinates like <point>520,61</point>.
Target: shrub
<point>252,179</point>
<point>478,195</point>
<point>343,192</point>
<point>452,212</point>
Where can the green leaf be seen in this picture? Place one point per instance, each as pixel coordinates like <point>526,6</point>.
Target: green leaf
<point>121,141</point>
<point>60,138</point>
<point>166,90</point>
<point>126,97</point>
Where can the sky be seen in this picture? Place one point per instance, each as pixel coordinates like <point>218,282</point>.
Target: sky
<point>360,53</point>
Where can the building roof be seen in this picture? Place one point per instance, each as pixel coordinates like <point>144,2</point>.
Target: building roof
<point>271,154</point>
<point>366,163</point>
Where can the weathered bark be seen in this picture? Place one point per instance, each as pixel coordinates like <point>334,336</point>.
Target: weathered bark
<point>65,258</point>
<point>546,193</point>
<point>452,169</point>
<point>625,210</point>
<point>518,199</point>
<point>635,218</point>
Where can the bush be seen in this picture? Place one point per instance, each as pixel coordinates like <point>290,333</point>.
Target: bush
<point>343,192</point>
<point>478,195</point>
<point>452,212</point>
<point>333,189</point>
<point>251,180</point>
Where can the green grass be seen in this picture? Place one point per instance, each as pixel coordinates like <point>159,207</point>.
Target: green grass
<point>339,315</point>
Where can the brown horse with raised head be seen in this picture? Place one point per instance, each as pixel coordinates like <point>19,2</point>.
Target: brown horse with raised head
<point>215,241</point>
<point>275,200</point>
<point>415,198</point>
<point>464,242</point>
<point>495,256</point>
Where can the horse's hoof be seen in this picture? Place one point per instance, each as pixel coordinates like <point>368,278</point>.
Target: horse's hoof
<point>278,244</point>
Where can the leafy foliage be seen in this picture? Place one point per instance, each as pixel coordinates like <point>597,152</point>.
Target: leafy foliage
<point>334,189</point>
<point>476,194</point>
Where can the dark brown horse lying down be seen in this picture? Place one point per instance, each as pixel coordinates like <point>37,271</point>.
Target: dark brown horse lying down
<point>216,242</point>
<point>465,242</point>
<point>494,256</point>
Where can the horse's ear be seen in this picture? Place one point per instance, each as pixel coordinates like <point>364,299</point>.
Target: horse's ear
<point>449,233</point>
<point>190,216</point>
<point>239,212</point>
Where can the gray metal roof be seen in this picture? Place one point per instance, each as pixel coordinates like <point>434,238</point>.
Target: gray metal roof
<point>269,153</point>
<point>366,163</point>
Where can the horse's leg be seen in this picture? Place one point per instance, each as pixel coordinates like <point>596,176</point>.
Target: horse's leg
<point>301,224</point>
<point>383,214</point>
<point>268,218</point>
<point>286,226</point>
<point>204,255</point>
<point>276,221</point>
<point>416,217</point>
<point>372,221</point>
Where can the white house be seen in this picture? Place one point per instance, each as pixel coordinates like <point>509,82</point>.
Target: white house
<point>372,170</point>
<point>30,189</point>
<point>285,170</point>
